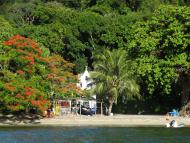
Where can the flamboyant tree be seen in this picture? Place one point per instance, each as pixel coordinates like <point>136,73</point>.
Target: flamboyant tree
<point>27,75</point>
<point>62,80</point>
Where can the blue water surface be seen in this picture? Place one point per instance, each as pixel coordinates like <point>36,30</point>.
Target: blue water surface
<point>94,135</point>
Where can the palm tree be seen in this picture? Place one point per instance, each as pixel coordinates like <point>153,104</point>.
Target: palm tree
<point>112,78</point>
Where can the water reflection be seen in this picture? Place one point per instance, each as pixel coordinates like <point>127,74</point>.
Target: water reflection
<point>93,135</point>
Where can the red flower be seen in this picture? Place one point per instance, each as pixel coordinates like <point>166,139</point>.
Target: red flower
<point>33,102</point>
<point>27,93</point>
<point>20,72</point>
<point>18,95</point>
<point>41,98</point>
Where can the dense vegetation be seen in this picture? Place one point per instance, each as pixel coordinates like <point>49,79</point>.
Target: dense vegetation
<point>112,78</point>
<point>155,36</point>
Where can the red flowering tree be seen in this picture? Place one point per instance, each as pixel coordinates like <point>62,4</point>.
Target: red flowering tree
<point>27,77</point>
<point>63,81</point>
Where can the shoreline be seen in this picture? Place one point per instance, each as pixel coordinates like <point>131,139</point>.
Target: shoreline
<point>97,121</point>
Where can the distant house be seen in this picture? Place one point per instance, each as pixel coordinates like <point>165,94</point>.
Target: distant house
<point>84,80</point>
<point>86,83</point>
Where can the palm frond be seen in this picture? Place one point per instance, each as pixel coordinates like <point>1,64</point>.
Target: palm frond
<point>111,75</point>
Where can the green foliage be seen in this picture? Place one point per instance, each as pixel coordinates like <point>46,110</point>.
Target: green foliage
<point>21,13</point>
<point>6,29</point>
<point>154,34</point>
<point>28,76</point>
<point>160,47</point>
<point>111,77</point>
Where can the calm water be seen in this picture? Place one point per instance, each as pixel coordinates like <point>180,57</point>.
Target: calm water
<point>93,135</point>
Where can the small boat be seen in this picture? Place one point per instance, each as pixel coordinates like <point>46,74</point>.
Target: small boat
<point>174,124</point>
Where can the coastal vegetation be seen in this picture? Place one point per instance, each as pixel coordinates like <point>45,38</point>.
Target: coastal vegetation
<point>133,46</point>
<point>112,78</point>
<point>29,75</point>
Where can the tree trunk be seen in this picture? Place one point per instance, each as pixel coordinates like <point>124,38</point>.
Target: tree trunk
<point>185,104</point>
<point>185,90</point>
<point>185,111</point>
<point>110,108</point>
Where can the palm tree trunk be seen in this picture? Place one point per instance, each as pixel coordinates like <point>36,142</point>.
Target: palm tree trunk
<point>110,108</point>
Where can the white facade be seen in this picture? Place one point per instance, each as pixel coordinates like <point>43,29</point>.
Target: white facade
<point>85,83</point>
<point>84,80</point>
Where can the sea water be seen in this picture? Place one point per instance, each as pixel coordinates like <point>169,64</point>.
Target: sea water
<point>94,135</point>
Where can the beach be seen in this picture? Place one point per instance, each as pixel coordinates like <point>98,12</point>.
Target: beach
<point>98,120</point>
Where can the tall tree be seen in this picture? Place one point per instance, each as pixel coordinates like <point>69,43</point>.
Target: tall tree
<point>161,50</point>
<point>29,74</point>
<point>111,77</point>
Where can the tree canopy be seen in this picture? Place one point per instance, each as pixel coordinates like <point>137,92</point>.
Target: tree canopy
<point>153,35</point>
<point>112,78</point>
<point>28,75</point>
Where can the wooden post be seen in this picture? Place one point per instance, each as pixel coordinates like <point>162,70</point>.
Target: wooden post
<point>95,108</point>
<point>70,106</point>
<point>101,108</point>
<point>80,106</point>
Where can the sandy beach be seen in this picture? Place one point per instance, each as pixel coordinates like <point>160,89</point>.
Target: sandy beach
<point>97,120</point>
